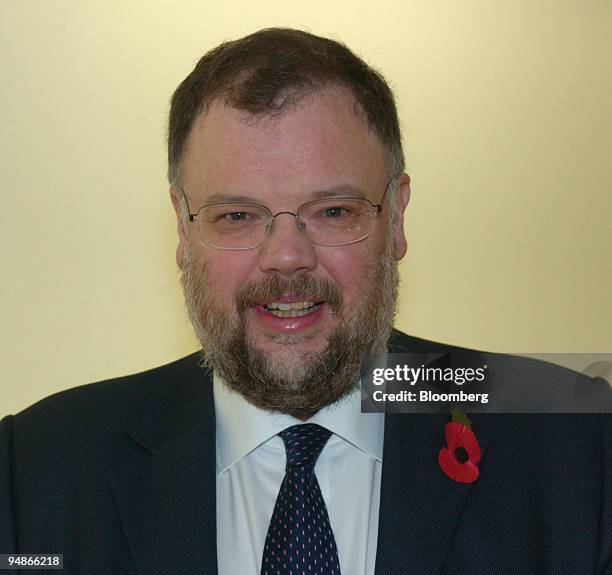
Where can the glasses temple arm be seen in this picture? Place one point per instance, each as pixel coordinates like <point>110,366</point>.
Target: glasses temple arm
<point>191,216</point>
<point>379,206</point>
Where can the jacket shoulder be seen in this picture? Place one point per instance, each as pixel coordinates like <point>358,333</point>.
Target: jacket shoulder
<point>400,342</point>
<point>118,391</point>
<point>87,418</point>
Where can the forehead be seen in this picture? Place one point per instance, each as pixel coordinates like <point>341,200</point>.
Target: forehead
<point>321,140</point>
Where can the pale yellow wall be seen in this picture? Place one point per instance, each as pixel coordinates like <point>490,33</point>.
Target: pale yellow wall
<point>507,114</point>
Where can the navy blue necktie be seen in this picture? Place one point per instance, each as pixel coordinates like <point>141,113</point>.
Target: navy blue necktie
<point>300,539</point>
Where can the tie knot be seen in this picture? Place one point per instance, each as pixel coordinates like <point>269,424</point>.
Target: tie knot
<point>304,443</point>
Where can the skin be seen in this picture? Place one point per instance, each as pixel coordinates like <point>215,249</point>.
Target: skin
<point>281,161</point>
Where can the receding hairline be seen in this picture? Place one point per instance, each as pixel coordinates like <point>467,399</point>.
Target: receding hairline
<point>291,99</point>
<point>252,71</point>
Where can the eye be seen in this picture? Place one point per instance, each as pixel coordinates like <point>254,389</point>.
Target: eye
<point>235,216</point>
<point>335,212</point>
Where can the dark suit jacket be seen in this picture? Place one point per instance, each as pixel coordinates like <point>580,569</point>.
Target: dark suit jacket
<point>119,476</point>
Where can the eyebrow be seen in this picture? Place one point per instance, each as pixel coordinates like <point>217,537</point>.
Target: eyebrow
<point>347,190</point>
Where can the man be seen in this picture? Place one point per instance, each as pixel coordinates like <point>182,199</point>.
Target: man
<point>287,177</point>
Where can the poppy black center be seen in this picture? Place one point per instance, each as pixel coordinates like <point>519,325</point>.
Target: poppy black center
<point>461,454</point>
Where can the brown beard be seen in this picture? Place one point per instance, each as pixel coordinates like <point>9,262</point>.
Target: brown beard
<point>301,384</point>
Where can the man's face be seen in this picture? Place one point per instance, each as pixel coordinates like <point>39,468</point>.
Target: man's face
<point>313,149</point>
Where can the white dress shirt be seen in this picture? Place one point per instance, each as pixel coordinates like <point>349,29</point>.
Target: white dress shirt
<point>251,466</point>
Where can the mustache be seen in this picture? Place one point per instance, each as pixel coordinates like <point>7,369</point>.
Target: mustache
<point>301,286</point>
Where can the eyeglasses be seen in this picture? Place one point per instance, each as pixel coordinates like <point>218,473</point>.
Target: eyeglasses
<point>333,221</point>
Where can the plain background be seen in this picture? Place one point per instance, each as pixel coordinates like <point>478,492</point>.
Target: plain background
<point>506,108</point>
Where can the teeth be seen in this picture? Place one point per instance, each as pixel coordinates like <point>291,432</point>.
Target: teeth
<point>298,305</point>
<point>289,311</point>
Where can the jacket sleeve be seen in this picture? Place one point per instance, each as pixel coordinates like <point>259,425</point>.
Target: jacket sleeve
<point>7,526</point>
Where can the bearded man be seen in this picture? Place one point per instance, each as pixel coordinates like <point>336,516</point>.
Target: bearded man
<point>287,177</point>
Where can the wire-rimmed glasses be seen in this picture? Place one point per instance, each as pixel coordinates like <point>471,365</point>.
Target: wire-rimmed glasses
<point>334,221</point>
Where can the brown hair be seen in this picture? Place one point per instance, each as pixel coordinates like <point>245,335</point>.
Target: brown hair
<point>265,71</point>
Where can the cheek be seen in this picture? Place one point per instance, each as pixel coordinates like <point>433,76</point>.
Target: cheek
<point>349,268</point>
<point>228,273</point>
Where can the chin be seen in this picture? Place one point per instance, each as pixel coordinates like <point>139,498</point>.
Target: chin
<point>295,343</point>
<point>291,349</point>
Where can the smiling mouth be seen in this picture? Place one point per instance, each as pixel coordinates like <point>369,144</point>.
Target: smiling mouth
<point>295,309</point>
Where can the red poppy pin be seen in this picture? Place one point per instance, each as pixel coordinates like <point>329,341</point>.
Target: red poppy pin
<point>459,458</point>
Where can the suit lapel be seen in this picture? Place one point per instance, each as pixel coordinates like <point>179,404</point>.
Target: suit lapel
<point>420,508</point>
<point>166,492</point>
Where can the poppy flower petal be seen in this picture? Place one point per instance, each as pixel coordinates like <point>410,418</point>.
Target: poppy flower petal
<point>459,435</point>
<point>461,472</point>
<point>458,459</point>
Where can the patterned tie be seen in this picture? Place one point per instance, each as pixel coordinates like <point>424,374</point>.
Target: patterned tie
<point>300,539</point>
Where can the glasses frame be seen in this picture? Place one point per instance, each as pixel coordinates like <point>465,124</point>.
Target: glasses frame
<point>376,211</point>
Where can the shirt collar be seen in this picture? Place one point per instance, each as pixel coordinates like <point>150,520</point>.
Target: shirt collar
<point>242,427</point>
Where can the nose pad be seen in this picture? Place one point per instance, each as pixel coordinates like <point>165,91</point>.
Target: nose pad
<point>287,252</point>
<point>301,226</point>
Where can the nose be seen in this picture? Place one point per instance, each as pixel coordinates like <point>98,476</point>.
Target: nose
<point>287,250</point>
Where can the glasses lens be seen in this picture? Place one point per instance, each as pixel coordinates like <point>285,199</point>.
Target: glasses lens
<point>233,226</point>
<point>336,221</point>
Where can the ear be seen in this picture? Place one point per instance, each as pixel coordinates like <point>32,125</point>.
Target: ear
<point>175,196</point>
<point>401,201</point>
